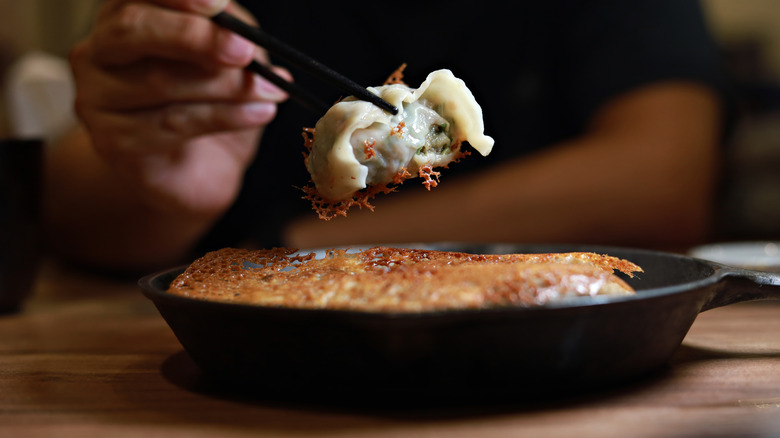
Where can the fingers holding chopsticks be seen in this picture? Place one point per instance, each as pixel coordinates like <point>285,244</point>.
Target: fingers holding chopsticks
<point>148,54</point>
<point>165,96</point>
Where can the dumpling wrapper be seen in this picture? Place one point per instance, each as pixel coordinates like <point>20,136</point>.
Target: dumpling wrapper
<point>357,144</point>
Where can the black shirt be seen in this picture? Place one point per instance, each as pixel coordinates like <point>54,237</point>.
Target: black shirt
<point>538,69</point>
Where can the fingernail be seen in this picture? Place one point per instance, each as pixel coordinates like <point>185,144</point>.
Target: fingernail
<point>233,49</point>
<point>259,112</point>
<point>266,90</point>
<point>209,7</point>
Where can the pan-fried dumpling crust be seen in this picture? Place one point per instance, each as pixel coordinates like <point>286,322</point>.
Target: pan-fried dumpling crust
<point>383,279</point>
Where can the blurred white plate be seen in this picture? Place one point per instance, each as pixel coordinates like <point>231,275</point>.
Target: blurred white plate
<point>763,256</point>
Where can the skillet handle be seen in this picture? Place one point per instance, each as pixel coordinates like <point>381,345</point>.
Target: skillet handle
<point>738,285</point>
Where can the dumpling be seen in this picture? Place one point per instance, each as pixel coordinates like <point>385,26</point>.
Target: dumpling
<point>358,145</point>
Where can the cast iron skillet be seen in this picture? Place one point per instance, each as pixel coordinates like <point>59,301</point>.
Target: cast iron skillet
<point>560,348</point>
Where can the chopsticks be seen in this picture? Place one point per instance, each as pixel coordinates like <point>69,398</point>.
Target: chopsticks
<point>300,60</point>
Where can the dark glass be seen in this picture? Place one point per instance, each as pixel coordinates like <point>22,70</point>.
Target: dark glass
<point>20,237</point>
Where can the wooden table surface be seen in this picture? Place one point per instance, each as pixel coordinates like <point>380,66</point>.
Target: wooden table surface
<point>90,356</point>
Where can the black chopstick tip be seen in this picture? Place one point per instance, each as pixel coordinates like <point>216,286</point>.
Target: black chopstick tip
<point>381,103</point>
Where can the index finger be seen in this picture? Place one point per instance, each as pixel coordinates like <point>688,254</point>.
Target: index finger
<point>207,8</point>
<point>130,31</point>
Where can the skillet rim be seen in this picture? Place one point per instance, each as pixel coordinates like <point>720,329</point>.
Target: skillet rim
<point>150,288</point>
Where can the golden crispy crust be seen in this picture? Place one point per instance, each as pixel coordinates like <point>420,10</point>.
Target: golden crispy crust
<point>385,279</point>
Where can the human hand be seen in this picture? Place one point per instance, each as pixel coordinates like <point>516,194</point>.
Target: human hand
<point>164,97</point>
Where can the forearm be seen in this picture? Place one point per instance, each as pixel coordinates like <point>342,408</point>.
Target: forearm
<point>523,201</point>
<point>631,179</point>
<point>95,217</point>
